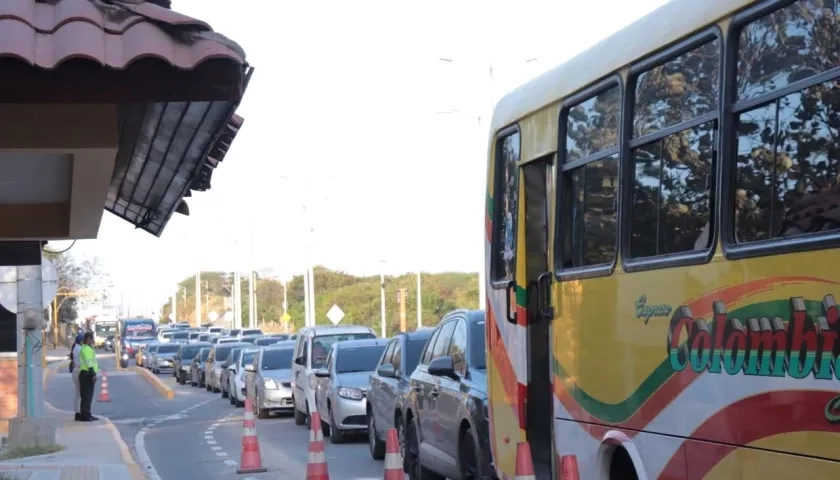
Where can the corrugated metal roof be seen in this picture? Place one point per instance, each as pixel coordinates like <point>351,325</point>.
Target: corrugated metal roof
<point>45,33</point>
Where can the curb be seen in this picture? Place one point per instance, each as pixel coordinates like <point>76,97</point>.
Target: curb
<point>134,469</point>
<point>162,388</point>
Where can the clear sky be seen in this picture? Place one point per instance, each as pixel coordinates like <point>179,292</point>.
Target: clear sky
<point>344,98</point>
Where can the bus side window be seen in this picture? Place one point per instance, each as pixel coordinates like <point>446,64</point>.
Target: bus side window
<point>589,179</point>
<point>672,154</point>
<point>505,209</point>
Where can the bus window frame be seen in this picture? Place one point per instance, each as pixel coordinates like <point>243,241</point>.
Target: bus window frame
<point>495,282</point>
<point>733,250</point>
<point>659,58</point>
<point>561,167</point>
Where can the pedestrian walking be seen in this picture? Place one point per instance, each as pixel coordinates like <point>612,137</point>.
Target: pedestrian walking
<point>88,368</point>
<point>74,372</point>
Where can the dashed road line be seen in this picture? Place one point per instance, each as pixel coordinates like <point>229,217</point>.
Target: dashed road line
<point>140,440</point>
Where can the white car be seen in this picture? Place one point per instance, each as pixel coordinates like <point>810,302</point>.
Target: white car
<point>236,376</point>
<point>313,344</point>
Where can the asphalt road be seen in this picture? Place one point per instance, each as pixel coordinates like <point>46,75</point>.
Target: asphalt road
<point>198,434</point>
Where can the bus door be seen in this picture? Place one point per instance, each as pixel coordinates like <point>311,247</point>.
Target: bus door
<point>539,410</point>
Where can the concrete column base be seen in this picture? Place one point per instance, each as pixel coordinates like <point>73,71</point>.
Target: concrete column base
<point>31,432</point>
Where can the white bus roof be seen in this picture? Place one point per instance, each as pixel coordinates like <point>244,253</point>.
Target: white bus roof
<point>668,24</point>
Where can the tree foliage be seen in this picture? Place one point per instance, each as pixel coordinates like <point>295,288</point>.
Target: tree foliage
<point>358,297</point>
<point>75,277</point>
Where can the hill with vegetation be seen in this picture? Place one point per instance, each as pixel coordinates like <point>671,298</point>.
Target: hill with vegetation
<point>358,297</point>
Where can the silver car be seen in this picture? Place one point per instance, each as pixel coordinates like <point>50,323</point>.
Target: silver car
<point>213,365</point>
<point>269,380</point>
<point>163,361</point>
<point>341,386</point>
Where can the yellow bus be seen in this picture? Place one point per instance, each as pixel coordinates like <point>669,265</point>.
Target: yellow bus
<point>663,217</point>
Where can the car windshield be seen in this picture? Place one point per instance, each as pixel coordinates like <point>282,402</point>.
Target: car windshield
<point>280,359</point>
<point>265,341</point>
<point>248,356</point>
<point>413,349</point>
<point>476,346</point>
<point>180,335</point>
<point>222,352</point>
<point>255,331</point>
<point>168,348</point>
<point>204,354</point>
<point>321,345</point>
<point>358,359</point>
<point>189,352</point>
<point>233,356</point>
<point>168,335</point>
<point>279,336</point>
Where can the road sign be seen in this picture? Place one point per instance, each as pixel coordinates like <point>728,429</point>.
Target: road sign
<point>286,317</point>
<point>213,316</point>
<point>171,317</point>
<point>335,314</point>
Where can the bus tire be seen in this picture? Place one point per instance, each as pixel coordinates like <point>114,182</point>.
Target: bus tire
<point>621,466</point>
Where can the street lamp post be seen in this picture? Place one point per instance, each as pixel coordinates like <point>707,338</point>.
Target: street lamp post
<point>309,274</point>
<point>419,301</point>
<point>198,298</point>
<point>482,266</point>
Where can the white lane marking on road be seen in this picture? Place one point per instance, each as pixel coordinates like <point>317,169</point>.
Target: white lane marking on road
<point>215,425</point>
<point>211,442</point>
<point>216,448</point>
<point>221,454</point>
<point>140,441</point>
<point>143,455</point>
<point>231,463</point>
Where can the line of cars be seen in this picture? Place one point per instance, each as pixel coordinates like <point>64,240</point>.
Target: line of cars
<point>430,385</point>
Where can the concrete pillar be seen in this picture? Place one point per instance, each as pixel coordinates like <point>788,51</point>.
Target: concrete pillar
<point>29,319</point>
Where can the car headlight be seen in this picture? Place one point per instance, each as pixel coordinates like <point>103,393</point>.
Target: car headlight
<point>270,384</point>
<point>350,393</point>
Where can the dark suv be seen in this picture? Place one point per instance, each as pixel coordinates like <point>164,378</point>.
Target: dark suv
<point>389,386</point>
<point>447,428</point>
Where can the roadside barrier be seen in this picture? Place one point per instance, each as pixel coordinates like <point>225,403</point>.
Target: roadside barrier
<point>393,462</point>
<point>316,466</point>
<point>251,460</point>
<point>569,468</point>
<point>104,396</point>
<point>524,464</point>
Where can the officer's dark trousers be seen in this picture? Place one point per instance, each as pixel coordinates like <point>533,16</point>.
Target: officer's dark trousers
<point>86,384</point>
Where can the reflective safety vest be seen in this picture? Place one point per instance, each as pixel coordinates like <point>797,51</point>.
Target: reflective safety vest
<point>87,360</point>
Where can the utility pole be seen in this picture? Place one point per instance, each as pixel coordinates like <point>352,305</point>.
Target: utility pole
<point>402,297</point>
<point>382,301</point>
<point>174,306</point>
<point>256,316</point>
<point>198,298</point>
<point>285,297</point>
<point>419,303</point>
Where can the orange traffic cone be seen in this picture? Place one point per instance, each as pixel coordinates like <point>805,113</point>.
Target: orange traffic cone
<point>316,467</point>
<point>569,468</point>
<point>393,462</point>
<point>104,396</point>
<point>251,461</point>
<point>524,464</point>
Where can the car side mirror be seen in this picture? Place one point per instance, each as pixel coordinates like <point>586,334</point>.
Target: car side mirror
<point>443,367</point>
<point>387,371</point>
<point>301,361</point>
<point>250,368</point>
<point>322,373</point>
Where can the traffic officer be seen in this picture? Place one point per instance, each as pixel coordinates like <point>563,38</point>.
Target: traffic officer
<point>88,368</point>
<point>75,358</point>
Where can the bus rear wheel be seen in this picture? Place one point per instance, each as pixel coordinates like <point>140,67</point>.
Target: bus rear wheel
<point>621,466</point>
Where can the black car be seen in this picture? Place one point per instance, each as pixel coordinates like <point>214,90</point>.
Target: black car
<point>389,386</point>
<point>446,404</point>
<point>183,358</point>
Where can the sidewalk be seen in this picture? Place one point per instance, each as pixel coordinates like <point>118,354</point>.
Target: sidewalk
<point>92,451</point>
